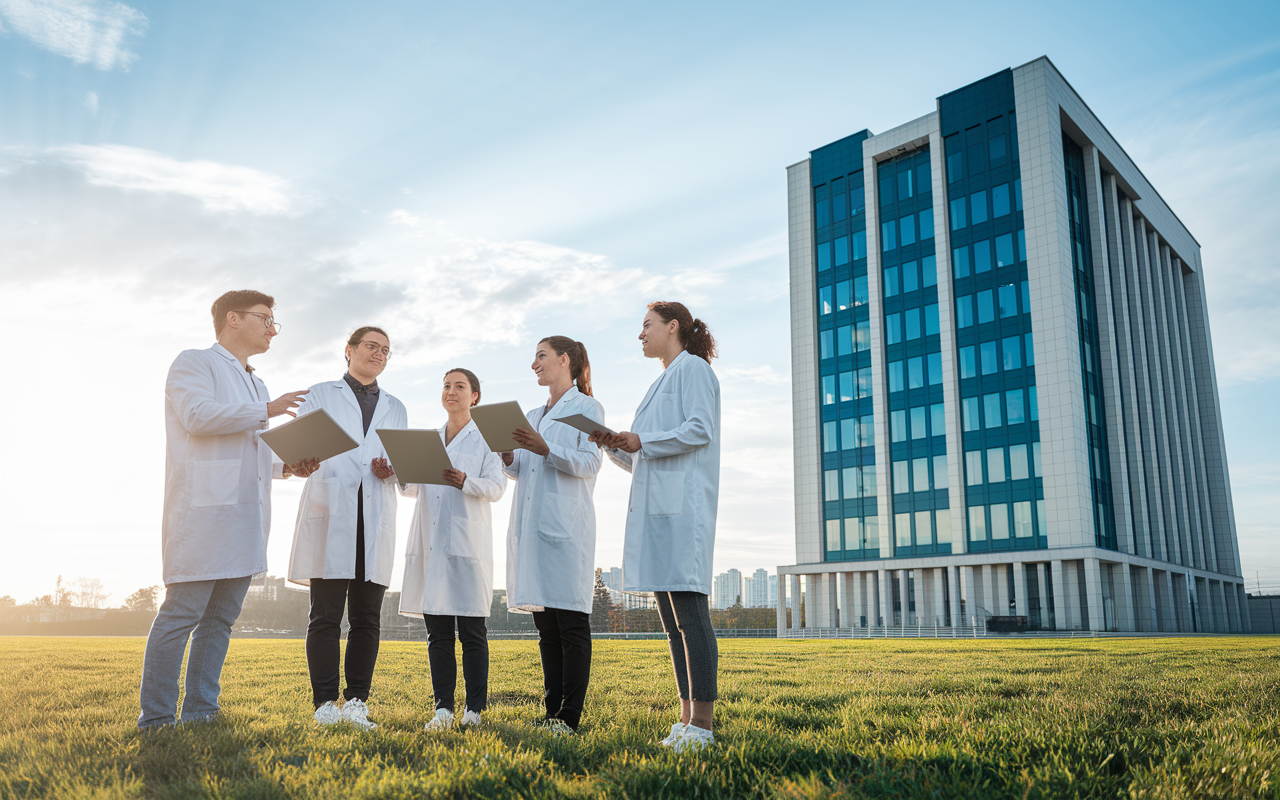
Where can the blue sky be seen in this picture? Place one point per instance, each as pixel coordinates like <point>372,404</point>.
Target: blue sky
<point>477,178</point>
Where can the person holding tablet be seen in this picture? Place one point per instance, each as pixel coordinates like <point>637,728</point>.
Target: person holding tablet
<point>448,570</point>
<point>673,453</point>
<point>344,541</point>
<point>551,541</point>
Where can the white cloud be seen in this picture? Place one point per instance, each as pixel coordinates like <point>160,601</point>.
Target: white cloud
<point>85,31</point>
<point>91,102</point>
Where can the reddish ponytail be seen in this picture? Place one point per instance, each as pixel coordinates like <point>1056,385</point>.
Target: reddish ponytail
<point>694,335</point>
<point>579,365</point>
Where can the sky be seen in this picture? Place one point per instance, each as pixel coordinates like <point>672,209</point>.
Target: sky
<point>473,178</point>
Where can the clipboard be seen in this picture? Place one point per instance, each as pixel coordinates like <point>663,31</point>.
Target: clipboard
<point>585,424</point>
<point>417,456</point>
<point>497,421</point>
<point>312,435</point>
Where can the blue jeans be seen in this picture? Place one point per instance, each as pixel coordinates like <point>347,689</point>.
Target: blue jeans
<point>209,608</point>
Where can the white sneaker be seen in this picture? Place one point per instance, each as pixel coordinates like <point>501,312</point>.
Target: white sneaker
<point>677,730</point>
<point>441,721</point>
<point>329,713</point>
<point>470,717</point>
<point>693,739</point>
<point>357,713</point>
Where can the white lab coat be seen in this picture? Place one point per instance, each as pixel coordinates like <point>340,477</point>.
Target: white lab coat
<point>551,541</point>
<point>448,564</point>
<point>675,483</point>
<point>217,481</point>
<point>324,538</point>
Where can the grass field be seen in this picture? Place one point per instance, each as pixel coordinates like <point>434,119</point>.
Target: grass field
<point>797,719</point>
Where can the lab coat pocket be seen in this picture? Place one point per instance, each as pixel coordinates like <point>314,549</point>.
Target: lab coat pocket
<point>215,483</point>
<point>318,499</point>
<point>459,542</point>
<point>666,493</point>
<point>560,516</point>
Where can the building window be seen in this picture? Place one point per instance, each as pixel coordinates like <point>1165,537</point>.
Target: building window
<point>864,382</point>
<point>934,363</point>
<point>846,387</point>
<point>915,372</point>
<point>958,219</point>
<point>852,482</point>
<point>895,376</point>
<point>828,389</point>
<point>919,429</point>
<point>857,201</point>
<point>981,256</point>
<point>910,277</point>
<point>849,433</point>
<point>931,325</point>
<point>893,328</point>
<point>924,534</point>
<point>902,528</point>
<point>824,347</point>
<point>1031,352</point>
<point>964,311</point>
<point>1035,406</point>
<point>907,228</point>
<point>968,365</point>
<point>912,318</point>
<point>842,295</point>
<point>906,187</point>
<point>1000,200</point>
<point>995,465</point>
<point>1018,462</point>
<point>986,310</point>
<point>824,213</point>
<point>996,149</point>
<point>1040,518</point>
<point>920,475</point>
<point>898,426</point>
<point>990,363</point>
<point>888,237</point>
<point>859,245</point>
<point>842,251</point>
<point>929,270</point>
<point>824,256</point>
<point>978,207</point>
<point>1014,408</point>
<point>991,409</point>
<point>1017,194</point>
<point>871,533</point>
<point>831,484</point>
<point>940,477</point>
<point>937,420</point>
<point>960,262</point>
<point>833,535</point>
<point>1004,250</point>
<point>999,521</point>
<point>829,443</point>
<point>868,431</point>
<point>1008,301</point>
<point>838,199</point>
<point>862,335</point>
<point>1010,349</point>
<point>901,477</point>
<point>955,170</point>
<point>890,281</point>
<point>844,340</point>
<point>860,296</point>
<point>973,468</point>
<point>969,407</point>
<point>926,224</point>
<point>977,524</point>
<point>942,518</point>
<point>824,300</point>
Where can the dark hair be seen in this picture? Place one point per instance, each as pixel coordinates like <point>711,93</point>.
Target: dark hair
<point>241,300</point>
<point>471,379</point>
<point>579,365</point>
<point>357,336</point>
<point>694,335</point>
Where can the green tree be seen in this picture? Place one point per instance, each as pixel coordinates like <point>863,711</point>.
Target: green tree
<point>7,602</point>
<point>142,600</point>
<point>601,604</point>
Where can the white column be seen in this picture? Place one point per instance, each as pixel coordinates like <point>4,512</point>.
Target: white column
<point>953,595</point>
<point>796,599</point>
<point>854,592</point>
<point>782,605</point>
<point>1122,589</point>
<point>1042,584</point>
<point>919,578</point>
<point>1060,616</point>
<point>1233,606</point>
<point>1149,595</point>
<point>822,600</point>
<point>1097,614</point>
<point>891,617</point>
<point>939,605</point>
<point>971,576</point>
<point>1071,591</point>
<point>1020,588</point>
<point>884,606</point>
<point>989,594</point>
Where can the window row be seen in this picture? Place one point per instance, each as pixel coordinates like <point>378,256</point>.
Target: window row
<point>914,475</point>
<point>843,296</point>
<point>920,422</point>
<point>845,340</point>
<point>996,521</point>
<point>840,205</point>
<point>974,210</point>
<point>1002,464</point>
<point>918,370</point>
<point>908,182</point>
<point>1003,299</point>
<point>854,244</point>
<point>915,275</point>
<point>974,158</point>
<point>860,533</point>
<point>911,324</point>
<point>987,358</point>
<point>858,482</point>
<point>984,412</point>
<point>977,258</point>
<point>930,527</point>
<point>852,433</point>
<point>907,230</point>
<point>853,385</point>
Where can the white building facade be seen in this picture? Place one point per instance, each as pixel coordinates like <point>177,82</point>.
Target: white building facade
<point>1004,397</point>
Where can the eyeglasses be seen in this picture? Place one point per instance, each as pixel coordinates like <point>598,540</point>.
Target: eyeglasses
<point>267,320</point>
<point>374,347</point>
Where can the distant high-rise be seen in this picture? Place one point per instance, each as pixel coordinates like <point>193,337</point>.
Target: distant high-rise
<point>726,589</point>
<point>755,590</point>
<point>1003,380</point>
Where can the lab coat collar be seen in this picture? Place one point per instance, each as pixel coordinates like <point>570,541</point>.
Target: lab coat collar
<point>564,398</point>
<point>466,431</point>
<point>379,411</point>
<point>225,353</point>
<point>653,389</point>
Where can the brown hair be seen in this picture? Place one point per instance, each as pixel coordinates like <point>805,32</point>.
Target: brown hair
<point>471,379</point>
<point>579,365</point>
<point>237,301</point>
<point>358,335</point>
<point>694,334</point>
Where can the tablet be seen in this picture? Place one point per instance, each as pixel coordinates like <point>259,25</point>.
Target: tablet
<point>585,424</point>
<point>312,435</point>
<point>497,421</point>
<point>417,456</point>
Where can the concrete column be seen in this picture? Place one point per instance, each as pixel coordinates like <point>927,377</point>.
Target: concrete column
<point>918,579</point>
<point>1097,612</point>
<point>854,592</point>
<point>1122,590</point>
<point>1169,611</point>
<point>989,590</point>
<point>797,598</point>
<point>939,604</point>
<point>1061,617</point>
<point>1152,611</point>
<point>884,603</point>
<point>1020,588</point>
<point>971,594</point>
<point>1220,603</point>
<point>1071,592</point>
<point>1042,581</point>
<point>953,595</point>
<point>830,580</point>
<point>782,604</point>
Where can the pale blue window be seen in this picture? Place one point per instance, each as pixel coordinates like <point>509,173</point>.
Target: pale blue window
<point>1035,459</point>
<point>960,261</point>
<point>978,207</point>
<point>1022,519</point>
<point>831,484</point>
<point>973,468</point>
<point>1018,462</point>
<point>871,525</point>
<point>844,340</point>
<point>934,364</point>
<point>857,201</point>
<point>931,325</point>
<point>1000,200</point>
<point>964,311</point>
<point>862,335</point>
<point>846,386</point>
<point>1031,352</point>
<point>977,523</point>
<point>990,361</point>
<point>942,518</point>
<point>986,310</point>
<point>893,328</point>
<point>860,296</point>
<point>981,256</point>
<point>915,372</point>
<point>958,219</point>
<point>824,256</point>
<point>824,212</point>
<point>929,271</point>
<point>829,442</point>
<point>824,300</point>
<point>898,426</point>
<point>868,432</point>
<point>888,235</point>
<point>828,389</point>
<point>906,186</point>
<point>920,476</point>
<point>926,224</point>
<point>910,277</point>
<point>1035,406</point>
<point>842,295</point>
<point>968,362</point>
<point>859,245</point>
<point>919,428</point>
<point>901,483</point>
<point>890,281</point>
<point>969,407</point>
<point>995,465</point>
<point>991,409</point>
<point>924,534</point>
<point>842,251</point>
<point>849,433</point>
<point>852,482</point>
<point>912,316</point>
<point>825,349</point>
<point>907,230</point>
<point>1008,301</point>
<point>1014,407</point>
<point>937,420</point>
<point>999,521</point>
<point>895,376</point>
<point>833,535</point>
<point>1004,250</point>
<point>1010,350</point>
<point>864,382</point>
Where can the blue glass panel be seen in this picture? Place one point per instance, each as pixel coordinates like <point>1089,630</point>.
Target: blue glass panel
<point>846,387</point>
<point>1031,353</point>
<point>981,256</point>
<point>824,300</point>
<point>849,433</point>
<point>978,207</point>
<point>890,281</point>
<point>934,364</point>
<point>844,340</point>
<point>960,261</point>
<point>1011,350</point>
<point>1013,406</point>
<point>907,229</point>
<point>926,224</point>
<point>824,213</point>
<point>893,328</point>
<point>931,325</point>
<point>906,186</point>
<point>958,219</point>
<point>1026,298</point>
<point>1000,200</point>
<point>937,422</point>
<point>968,362</point>
<point>991,410</point>
<point>919,429</point>
<point>828,389</point>
<point>1008,300</point>
<point>864,382</point>
<point>857,201</point>
<point>860,296</point>
<point>990,360</point>
<point>842,251</point>
<point>986,310</point>
<point>964,311</point>
<point>1004,250</point>
<point>826,349</point>
<point>915,372</point>
<point>969,407</point>
<point>1035,406</point>
<point>910,280</point>
<point>859,245</point>
<point>886,190</point>
<point>824,256</point>
<point>842,295</point>
<point>912,317</point>
<point>929,271</point>
<point>895,376</point>
<point>888,237</point>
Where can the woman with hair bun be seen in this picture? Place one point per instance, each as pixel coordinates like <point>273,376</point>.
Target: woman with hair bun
<point>673,453</point>
<point>551,542</point>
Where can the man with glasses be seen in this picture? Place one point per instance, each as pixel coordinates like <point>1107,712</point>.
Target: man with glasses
<point>217,506</point>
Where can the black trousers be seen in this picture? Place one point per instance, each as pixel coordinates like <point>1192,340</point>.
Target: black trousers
<point>444,668</point>
<point>362,601</point>
<point>564,640</point>
<point>694,653</point>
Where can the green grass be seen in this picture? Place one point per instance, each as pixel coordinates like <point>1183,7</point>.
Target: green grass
<point>797,719</point>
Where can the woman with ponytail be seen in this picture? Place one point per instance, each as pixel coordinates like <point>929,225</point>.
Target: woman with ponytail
<point>551,541</point>
<point>674,458</point>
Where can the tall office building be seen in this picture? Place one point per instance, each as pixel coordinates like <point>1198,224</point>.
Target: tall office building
<point>726,589</point>
<point>1003,381</point>
<point>755,590</point>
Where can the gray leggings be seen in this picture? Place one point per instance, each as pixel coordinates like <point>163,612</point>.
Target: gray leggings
<point>687,622</point>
